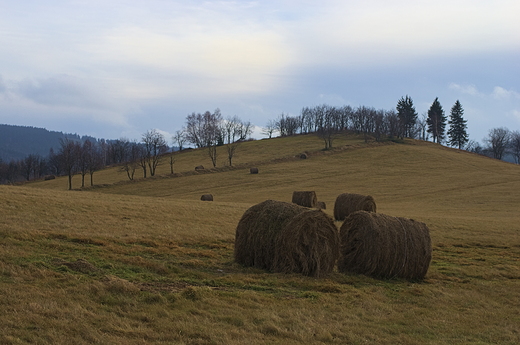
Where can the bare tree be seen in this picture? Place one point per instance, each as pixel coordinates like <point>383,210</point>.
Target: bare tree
<point>234,131</point>
<point>132,160</point>
<point>422,127</point>
<point>69,156</point>
<point>154,146</point>
<point>514,145</point>
<point>269,129</point>
<point>326,126</point>
<point>180,138</point>
<point>498,140</point>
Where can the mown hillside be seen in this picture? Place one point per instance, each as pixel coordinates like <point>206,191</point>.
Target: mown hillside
<point>148,262</point>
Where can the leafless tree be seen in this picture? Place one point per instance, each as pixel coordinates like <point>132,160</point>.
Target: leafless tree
<point>234,131</point>
<point>498,140</point>
<point>180,138</point>
<point>154,146</point>
<point>287,125</point>
<point>269,129</point>
<point>514,145</point>
<point>69,156</point>
<point>133,159</point>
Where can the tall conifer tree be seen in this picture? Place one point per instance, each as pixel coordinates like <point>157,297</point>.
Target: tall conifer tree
<point>458,136</point>
<point>407,115</point>
<point>436,121</point>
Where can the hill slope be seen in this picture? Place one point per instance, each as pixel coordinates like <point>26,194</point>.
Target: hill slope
<point>148,262</point>
<point>17,142</point>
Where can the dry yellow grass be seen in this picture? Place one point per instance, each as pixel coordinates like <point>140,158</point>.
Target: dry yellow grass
<point>148,262</point>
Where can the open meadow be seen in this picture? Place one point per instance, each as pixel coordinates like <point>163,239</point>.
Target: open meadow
<point>145,261</point>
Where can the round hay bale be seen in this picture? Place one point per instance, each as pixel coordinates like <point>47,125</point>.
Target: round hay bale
<point>306,198</point>
<point>321,205</point>
<point>253,170</point>
<point>199,167</point>
<point>383,246</point>
<point>347,203</point>
<point>303,155</point>
<point>287,238</point>
<point>49,177</point>
<point>206,197</point>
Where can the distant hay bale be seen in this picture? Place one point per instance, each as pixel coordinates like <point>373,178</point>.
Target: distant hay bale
<point>199,167</point>
<point>303,155</point>
<point>306,198</point>
<point>321,205</point>
<point>206,197</point>
<point>253,170</point>
<point>383,246</point>
<point>347,203</point>
<point>287,238</point>
<point>49,177</point>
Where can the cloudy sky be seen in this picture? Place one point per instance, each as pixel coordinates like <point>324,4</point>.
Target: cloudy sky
<point>114,68</point>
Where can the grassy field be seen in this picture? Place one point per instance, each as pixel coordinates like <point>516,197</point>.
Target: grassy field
<point>148,262</point>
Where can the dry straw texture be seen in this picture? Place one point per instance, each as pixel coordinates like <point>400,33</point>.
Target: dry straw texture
<point>321,205</point>
<point>306,199</point>
<point>347,203</point>
<point>206,197</point>
<point>383,246</point>
<point>287,238</point>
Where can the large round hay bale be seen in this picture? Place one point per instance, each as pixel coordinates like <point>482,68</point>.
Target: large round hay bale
<point>287,238</point>
<point>383,246</point>
<point>206,197</point>
<point>321,205</point>
<point>253,170</point>
<point>199,167</point>
<point>347,203</point>
<point>306,198</point>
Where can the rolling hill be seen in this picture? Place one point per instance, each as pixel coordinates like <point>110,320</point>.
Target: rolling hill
<point>145,261</point>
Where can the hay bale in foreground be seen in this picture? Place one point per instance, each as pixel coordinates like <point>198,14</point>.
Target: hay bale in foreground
<point>287,238</point>
<point>206,197</point>
<point>348,203</point>
<point>306,198</point>
<point>253,170</point>
<point>383,246</point>
<point>320,205</point>
<point>199,167</point>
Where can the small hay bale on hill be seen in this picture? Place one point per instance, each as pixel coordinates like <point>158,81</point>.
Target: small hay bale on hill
<point>306,198</point>
<point>321,205</point>
<point>49,177</point>
<point>348,203</point>
<point>303,155</point>
<point>287,238</point>
<point>199,167</point>
<point>206,197</point>
<point>253,170</point>
<point>383,246</point>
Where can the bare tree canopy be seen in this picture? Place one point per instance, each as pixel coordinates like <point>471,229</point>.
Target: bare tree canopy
<point>154,145</point>
<point>498,140</point>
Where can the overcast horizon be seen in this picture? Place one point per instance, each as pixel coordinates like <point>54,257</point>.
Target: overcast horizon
<point>112,69</point>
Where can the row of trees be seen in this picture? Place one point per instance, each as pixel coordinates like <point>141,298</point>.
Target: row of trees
<point>203,130</point>
<point>328,121</point>
<point>210,130</point>
<point>500,142</point>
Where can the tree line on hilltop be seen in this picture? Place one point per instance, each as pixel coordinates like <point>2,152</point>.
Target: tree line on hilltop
<point>209,130</point>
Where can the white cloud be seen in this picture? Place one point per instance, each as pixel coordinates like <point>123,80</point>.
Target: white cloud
<point>468,89</point>
<point>500,93</point>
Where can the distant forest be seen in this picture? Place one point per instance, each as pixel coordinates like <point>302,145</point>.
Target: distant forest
<point>17,142</point>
